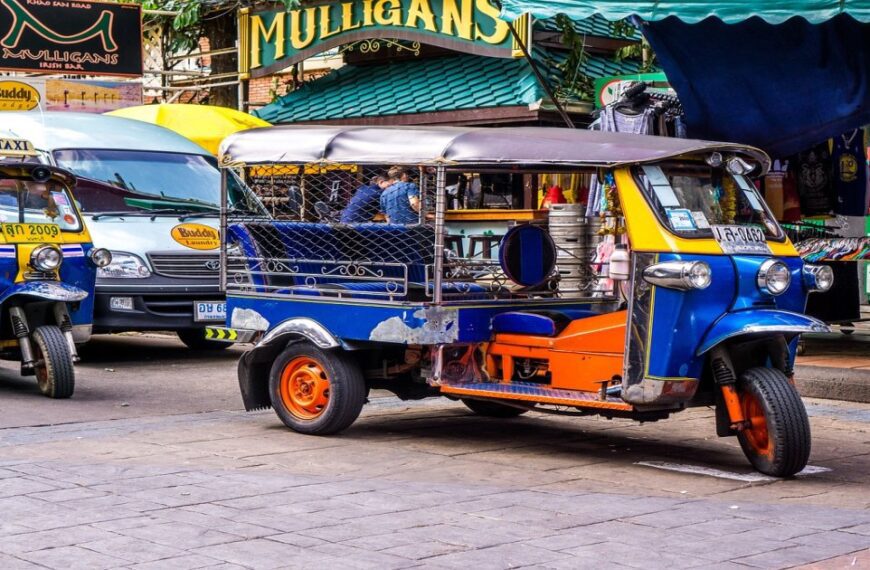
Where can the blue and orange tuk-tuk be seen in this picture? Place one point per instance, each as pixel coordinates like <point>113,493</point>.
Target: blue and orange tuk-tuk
<point>47,269</point>
<point>690,293</point>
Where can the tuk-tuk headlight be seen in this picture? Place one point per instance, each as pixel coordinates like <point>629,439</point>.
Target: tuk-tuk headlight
<point>680,275</point>
<point>774,277</point>
<point>124,266</point>
<point>100,256</point>
<point>818,278</point>
<point>46,258</point>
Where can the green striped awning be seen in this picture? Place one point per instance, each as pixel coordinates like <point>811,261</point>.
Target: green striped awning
<point>729,11</point>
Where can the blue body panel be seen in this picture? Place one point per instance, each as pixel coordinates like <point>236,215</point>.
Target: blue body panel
<point>408,323</point>
<point>686,324</point>
<point>742,322</point>
<point>77,273</point>
<point>81,273</point>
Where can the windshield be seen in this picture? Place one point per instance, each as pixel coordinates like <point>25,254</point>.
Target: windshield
<point>151,181</point>
<point>23,200</point>
<point>691,199</point>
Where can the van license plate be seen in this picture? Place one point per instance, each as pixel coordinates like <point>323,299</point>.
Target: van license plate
<point>209,311</point>
<point>741,239</point>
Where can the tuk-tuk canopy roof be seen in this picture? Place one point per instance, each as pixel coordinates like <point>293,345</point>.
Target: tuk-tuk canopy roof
<point>526,146</point>
<point>732,12</point>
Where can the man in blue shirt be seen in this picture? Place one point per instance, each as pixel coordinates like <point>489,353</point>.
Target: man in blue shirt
<point>364,204</point>
<point>400,203</point>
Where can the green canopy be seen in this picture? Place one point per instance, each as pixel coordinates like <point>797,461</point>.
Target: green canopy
<point>730,11</point>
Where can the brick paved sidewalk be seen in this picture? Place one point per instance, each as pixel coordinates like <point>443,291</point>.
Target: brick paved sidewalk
<point>426,486</point>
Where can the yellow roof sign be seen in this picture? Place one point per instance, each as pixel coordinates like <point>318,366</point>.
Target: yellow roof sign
<point>16,147</point>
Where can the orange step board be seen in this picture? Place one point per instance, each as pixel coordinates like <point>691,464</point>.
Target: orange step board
<point>534,393</point>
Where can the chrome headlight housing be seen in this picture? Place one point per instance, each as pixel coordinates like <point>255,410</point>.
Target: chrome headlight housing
<point>124,266</point>
<point>818,278</point>
<point>774,277</point>
<point>680,275</point>
<point>100,257</point>
<point>46,258</point>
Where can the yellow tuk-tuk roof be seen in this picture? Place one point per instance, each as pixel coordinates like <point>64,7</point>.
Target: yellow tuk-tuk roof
<point>527,146</point>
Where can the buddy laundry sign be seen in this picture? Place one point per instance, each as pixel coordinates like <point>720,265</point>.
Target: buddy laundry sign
<point>272,40</point>
<point>64,36</point>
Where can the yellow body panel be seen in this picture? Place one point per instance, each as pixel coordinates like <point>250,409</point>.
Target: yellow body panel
<point>646,233</point>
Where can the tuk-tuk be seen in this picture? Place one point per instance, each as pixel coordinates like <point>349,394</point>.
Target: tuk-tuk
<point>691,294</point>
<point>47,269</point>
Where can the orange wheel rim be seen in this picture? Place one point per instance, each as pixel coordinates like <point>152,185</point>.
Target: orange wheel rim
<point>755,432</point>
<point>305,388</point>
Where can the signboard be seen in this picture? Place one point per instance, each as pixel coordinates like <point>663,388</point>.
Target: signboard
<point>65,36</point>
<point>20,96</point>
<point>609,89</point>
<point>80,95</point>
<point>272,40</point>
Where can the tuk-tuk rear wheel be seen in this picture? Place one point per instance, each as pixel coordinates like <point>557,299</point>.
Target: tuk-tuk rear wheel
<point>776,439</point>
<point>55,371</point>
<point>314,391</point>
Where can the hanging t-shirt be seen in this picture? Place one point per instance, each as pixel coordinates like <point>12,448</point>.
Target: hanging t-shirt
<point>813,171</point>
<point>849,174</point>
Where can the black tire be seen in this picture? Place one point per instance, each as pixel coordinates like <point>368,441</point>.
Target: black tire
<point>492,409</point>
<point>195,339</point>
<point>55,370</point>
<point>345,391</point>
<point>777,442</point>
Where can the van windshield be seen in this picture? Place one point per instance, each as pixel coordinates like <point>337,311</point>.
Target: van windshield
<point>693,199</point>
<point>133,181</point>
<point>27,201</point>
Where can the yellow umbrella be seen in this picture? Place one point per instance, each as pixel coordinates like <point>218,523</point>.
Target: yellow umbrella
<point>205,125</point>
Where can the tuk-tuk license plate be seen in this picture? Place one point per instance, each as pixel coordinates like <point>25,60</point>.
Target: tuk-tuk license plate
<point>209,311</point>
<point>741,239</point>
<point>30,233</point>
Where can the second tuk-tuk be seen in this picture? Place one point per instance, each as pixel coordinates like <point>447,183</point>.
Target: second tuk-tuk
<point>692,295</point>
<point>47,269</point>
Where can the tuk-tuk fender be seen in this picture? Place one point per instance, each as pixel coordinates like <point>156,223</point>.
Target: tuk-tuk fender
<point>254,366</point>
<point>45,290</point>
<point>759,321</point>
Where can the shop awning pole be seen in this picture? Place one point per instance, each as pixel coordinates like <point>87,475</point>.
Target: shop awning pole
<point>540,77</point>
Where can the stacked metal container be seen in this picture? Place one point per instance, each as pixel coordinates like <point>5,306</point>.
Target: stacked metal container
<point>576,238</point>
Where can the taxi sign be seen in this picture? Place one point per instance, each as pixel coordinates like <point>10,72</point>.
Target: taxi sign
<point>29,233</point>
<point>16,147</point>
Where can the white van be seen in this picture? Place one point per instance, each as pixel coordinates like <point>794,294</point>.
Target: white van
<point>152,197</point>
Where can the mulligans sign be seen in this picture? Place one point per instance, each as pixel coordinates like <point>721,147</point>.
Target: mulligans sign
<point>65,36</point>
<point>272,40</point>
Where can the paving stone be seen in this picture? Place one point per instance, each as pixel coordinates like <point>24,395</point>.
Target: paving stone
<point>132,549</point>
<point>12,486</point>
<point>497,557</point>
<point>186,562</point>
<point>623,552</point>
<point>265,553</point>
<point>858,529</point>
<point>421,550</point>
<point>787,557</point>
<point>12,563</point>
<point>38,540</point>
<point>860,559</point>
<point>351,557</point>
<point>179,535</point>
<point>73,558</point>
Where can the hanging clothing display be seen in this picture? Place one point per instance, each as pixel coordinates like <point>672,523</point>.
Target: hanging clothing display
<point>839,249</point>
<point>849,176</point>
<point>814,180</point>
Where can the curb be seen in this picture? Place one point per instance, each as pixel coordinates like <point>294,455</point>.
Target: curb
<point>833,383</point>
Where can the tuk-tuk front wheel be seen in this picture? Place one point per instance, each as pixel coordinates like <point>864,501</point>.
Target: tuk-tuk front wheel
<point>55,372</point>
<point>314,391</point>
<point>776,438</point>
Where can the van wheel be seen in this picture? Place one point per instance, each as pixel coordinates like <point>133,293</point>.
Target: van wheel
<point>55,372</point>
<point>492,409</point>
<point>314,391</point>
<point>777,437</point>
<point>195,339</point>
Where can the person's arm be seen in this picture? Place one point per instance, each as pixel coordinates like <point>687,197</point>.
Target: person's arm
<point>414,197</point>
